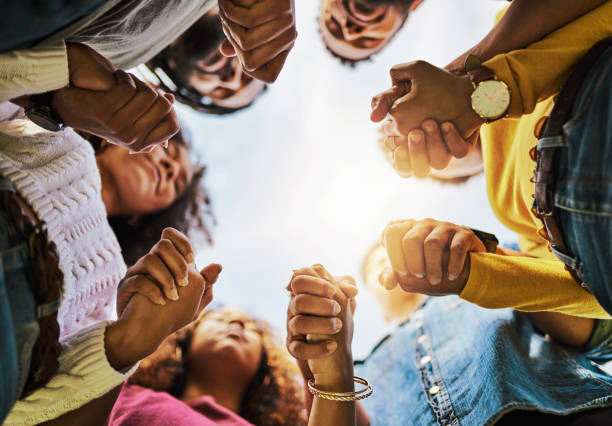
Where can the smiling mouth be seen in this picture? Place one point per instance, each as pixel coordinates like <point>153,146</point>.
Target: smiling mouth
<point>156,173</point>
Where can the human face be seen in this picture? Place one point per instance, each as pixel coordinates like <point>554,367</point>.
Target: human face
<point>144,183</point>
<point>357,29</point>
<point>228,339</point>
<point>224,82</point>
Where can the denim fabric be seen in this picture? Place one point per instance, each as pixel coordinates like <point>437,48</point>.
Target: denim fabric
<point>18,321</point>
<point>455,363</point>
<point>24,22</point>
<point>583,194</point>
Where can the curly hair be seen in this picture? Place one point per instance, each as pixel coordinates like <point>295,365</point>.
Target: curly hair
<point>187,214</point>
<point>274,397</point>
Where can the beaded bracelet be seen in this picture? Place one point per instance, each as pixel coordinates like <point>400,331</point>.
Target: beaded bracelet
<point>343,396</point>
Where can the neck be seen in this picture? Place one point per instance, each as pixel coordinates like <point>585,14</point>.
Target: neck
<point>227,392</point>
<point>109,197</point>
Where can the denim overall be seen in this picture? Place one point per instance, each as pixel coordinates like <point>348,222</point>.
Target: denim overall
<point>455,363</point>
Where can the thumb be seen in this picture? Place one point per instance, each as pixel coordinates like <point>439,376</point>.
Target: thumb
<point>90,70</point>
<point>227,49</point>
<point>410,71</point>
<point>382,103</point>
<point>211,273</point>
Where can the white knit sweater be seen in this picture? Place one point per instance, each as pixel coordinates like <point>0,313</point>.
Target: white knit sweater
<point>56,174</point>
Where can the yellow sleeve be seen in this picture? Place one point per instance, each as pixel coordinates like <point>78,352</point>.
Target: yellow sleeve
<point>539,70</point>
<point>527,284</point>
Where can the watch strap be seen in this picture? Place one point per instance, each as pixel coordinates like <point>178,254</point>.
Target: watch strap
<point>489,240</point>
<point>480,74</point>
<point>39,109</point>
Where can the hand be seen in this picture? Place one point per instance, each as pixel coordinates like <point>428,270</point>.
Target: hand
<point>422,91</point>
<point>428,256</point>
<point>160,272</point>
<point>320,325</point>
<point>142,326</point>
<point>113,104</point>
<point>260,32</point>
<point>425,148</point>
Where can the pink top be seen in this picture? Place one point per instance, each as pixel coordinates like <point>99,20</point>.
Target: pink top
<point>141,406</point>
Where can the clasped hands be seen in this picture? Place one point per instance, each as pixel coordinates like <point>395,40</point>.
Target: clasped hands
<point>422,101</point>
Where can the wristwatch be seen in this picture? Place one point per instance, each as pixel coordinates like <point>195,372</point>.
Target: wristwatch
<point>490,241</point>
<point>40,111</point>
<point>491,97</point>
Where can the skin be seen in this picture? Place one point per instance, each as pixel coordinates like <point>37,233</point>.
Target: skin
<point>357,29</point>
<point>223,80</point>
<point>144,183</point>
<point>224,357</point>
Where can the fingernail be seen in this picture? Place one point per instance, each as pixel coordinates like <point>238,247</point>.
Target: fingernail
<point>415,137</point>
<point>184,282</point>
<point>330,346</point>
<point>337,308</point>
<point>166,144</point>
<point>434,280</point>
<point>132,152</point>
<point>174,294</point>
<point>337,324</point>
<point>452,276</point>
<point>446,127</point>
<point>190,259</point>
<point>161,302</point>
<point>419,275</point>
<point>429,127</point>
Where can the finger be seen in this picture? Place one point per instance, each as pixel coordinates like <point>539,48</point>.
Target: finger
<point>211,273</point>
<point>312,350</point>
<point>392,240</point>
<point>207,297</point>
<point>434,246</point>
<point>181,242</point>
<point>418,153</point>
<point>408,71</point>
<point>249,39</point>
<point>258,14</point>
<point>160,273</point>
<point>252,60</point>
<point>167,128</point>
<point>387,279</point>
<point>174,260</point>
<point>170,97</point>
<point>402,163</point>
<point>227,49</point>
<point>143,99</point>
<point>438,154</point>
<point>306,304</point>
<point>412,248</point>
<point>305,284</point>
<point>142,128</point>
<point>138,284</point>
<point>457,146</point>
<point>463,242</point>
<point>348,285</point>
<point>381,103</point>
<point>270,71</point>
<point>304,324</point>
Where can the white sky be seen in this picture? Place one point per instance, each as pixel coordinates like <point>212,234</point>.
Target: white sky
<point>298,178</point>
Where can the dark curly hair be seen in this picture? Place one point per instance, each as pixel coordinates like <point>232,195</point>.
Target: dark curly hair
<point>274,397</point>
<point>188,214</point>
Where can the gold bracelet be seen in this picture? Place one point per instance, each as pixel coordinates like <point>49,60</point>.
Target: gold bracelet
<point>343,396</point>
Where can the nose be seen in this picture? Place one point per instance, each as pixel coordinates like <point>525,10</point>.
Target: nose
<point>170,168</point>
<point>232,78</point>
<point>352,31</point>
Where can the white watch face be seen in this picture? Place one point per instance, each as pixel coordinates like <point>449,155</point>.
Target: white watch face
<point>491,99</point>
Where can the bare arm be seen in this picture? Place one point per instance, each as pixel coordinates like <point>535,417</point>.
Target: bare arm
<point>535,19</point>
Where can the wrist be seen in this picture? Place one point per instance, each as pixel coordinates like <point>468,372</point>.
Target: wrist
<point>470,119</point>
<point>121,349</point>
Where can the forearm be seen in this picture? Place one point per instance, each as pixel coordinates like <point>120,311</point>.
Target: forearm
<point>536,19</point>
<point>334,413</point>
<point>94,413</point>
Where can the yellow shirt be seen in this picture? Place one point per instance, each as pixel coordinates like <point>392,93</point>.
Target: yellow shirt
<point>533,75</point>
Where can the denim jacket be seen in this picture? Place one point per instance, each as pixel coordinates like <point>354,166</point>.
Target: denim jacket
<point>456,363</point>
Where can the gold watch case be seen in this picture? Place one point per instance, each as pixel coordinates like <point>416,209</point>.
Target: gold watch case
<point>491,99</point>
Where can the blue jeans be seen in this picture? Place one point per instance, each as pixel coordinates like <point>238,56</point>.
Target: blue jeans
<point>18,320</point>
<point>583,194</point>
<point>455,363</point>
<point>25,22</point>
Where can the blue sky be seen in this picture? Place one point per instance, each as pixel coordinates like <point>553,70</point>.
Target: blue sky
<point>298,178</point>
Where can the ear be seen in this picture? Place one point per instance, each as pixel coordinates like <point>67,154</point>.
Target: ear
<point>415,4</point>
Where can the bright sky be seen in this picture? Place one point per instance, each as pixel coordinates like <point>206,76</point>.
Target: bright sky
<point>298,178</point>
